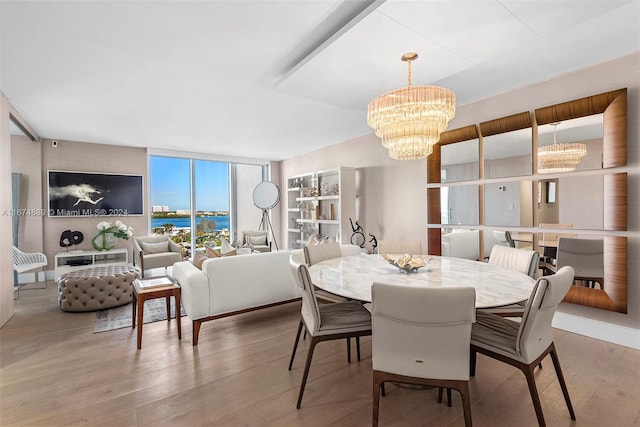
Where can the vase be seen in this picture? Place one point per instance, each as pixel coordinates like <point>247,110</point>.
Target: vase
<point>104,241</point>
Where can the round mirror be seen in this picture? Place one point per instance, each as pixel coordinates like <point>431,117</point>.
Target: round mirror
<point>266,195</point>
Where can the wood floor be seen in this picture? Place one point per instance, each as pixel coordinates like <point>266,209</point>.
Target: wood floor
<point>55,371</point>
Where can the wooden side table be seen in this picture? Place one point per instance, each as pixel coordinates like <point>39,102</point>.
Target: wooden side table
<point>140,295</point>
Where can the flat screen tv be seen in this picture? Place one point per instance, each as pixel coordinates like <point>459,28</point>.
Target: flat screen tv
<point>94,194</point>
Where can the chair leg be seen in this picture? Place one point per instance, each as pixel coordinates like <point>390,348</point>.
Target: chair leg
<point>384,393</point>
<point>349,350</point>
<point>563,385</point>
<point>358,347</point>
<point>307,365</point>
<point>295,344</point>
<point>449,397</point>
<point>472,363</point>
<point>466,402</point>
<point>440,394</point>
<point>377,385</point>
<point>533,390</point>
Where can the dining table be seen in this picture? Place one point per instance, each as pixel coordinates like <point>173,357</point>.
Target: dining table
<point>352,276</point>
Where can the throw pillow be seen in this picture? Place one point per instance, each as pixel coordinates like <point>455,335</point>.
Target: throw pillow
<point>154,248</point>
<point>198,259</point>
<point>230,253</point>
<point>211,253</point>
<point>257,240</point>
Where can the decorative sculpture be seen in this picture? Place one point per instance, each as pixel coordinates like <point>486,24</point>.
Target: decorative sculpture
<point>69,238</point>
<point>374,243</point>
<point>357,238</point>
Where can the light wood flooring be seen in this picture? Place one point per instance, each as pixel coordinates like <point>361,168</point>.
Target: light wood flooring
<point>55,371</point>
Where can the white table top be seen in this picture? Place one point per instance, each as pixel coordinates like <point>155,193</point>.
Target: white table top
<point>352,277</point>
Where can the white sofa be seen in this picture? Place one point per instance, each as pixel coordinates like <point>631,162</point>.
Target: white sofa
<point>232,285</point>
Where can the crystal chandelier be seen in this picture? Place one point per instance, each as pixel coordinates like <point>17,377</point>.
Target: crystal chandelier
<point>410,120</point>
<point>560,157</point>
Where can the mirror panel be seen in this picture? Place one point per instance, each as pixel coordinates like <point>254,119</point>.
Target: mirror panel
<point>564,200</point>
<point>459,205</point>
<point>588,130</point>
<point>508,204</point>
<point>507,154</point>
<point>461,243</point>
<point>460,161</point>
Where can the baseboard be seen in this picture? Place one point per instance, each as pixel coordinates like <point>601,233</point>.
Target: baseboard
<point>616,334</point>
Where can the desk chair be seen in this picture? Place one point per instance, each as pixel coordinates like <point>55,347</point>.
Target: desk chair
<point>524,345</point>
<point>421,336</point>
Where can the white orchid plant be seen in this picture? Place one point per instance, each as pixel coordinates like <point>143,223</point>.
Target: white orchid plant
<point>120,230</point>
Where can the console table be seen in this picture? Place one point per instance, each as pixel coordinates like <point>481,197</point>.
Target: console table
<point>78,260</point>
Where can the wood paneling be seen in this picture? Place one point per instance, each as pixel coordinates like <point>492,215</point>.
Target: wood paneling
<point>506,124</point>
<point>615,202</point>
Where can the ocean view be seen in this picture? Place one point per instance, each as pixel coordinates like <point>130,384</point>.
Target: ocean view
<point>221,222</point>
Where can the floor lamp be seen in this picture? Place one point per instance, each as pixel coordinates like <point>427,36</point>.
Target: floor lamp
<point>266,196</point>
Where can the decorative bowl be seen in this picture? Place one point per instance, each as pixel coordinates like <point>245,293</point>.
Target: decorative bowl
<point>407,263</point>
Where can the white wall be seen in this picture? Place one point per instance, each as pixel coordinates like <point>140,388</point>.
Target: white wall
<point>6,251</point>
<point>392,196</point>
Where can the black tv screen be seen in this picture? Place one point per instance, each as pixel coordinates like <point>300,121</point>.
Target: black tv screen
<point>94,194</point>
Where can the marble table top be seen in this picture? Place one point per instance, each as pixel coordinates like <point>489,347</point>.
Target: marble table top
<point>352,277</point>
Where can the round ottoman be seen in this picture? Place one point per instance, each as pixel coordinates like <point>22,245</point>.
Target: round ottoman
<point>96,288</point>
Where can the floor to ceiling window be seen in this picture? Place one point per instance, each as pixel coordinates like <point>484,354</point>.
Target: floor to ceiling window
<point>197,201</point>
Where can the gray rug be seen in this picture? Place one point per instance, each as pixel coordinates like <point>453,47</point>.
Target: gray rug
<point>120,317</point>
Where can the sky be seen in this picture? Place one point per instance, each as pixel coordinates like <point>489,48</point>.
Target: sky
<point>169,183</point>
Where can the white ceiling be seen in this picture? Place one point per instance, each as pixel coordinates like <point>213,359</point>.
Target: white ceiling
<point>275,79</point>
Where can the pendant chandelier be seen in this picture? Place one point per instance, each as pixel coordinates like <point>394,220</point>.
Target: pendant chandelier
<point>560,157</point>
<point>410,120</point>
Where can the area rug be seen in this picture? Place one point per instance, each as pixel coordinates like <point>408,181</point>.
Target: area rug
<point>120,317</point>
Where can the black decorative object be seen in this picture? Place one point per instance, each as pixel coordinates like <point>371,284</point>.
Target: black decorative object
<point>374,243</point>
<point>69,238</point>
<point>357,238</point>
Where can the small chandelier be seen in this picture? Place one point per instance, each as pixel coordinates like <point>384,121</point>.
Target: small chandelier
<point>560,157</point>
<point>410,120</point>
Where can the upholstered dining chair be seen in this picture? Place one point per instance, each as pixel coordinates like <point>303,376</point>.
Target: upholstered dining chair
<point>503,238</point>
<point>422,336</point>
<point>586,256</point>
<point>521,260</point>
<point>24,262</point>
<point>524,344</point>
<point>412,247</point>
<point>314,254</point>
<point>325,322</point>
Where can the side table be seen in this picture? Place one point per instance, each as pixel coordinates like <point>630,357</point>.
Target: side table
<point>140,295</point>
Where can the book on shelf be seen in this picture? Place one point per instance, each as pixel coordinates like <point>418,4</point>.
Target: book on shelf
<point>155,282</point>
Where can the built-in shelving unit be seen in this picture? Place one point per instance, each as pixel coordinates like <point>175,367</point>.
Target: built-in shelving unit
<point>320,203</point>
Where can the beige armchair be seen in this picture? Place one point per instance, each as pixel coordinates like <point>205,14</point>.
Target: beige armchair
<point>258,240</point>
<point>155,252</point>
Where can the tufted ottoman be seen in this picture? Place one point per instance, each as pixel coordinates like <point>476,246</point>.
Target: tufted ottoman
<point>96,288</point>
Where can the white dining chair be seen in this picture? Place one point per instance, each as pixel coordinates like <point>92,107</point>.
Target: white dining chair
<point>503,238</point>
<point>521,260</point>
<point>325,322</point>
<point>525,344</point>
<point>586,256</point>
<point>24,262</point>
<point>422,336</point>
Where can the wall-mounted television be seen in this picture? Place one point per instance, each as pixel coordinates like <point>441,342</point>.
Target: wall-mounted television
<point>94,194</point>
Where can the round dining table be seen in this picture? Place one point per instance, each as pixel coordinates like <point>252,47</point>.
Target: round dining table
<point>352,277</point>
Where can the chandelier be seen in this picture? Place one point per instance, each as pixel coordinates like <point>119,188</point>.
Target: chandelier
<point>560,157</point>
<point>410,120</point>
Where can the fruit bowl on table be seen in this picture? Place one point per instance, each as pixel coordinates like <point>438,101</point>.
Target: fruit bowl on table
<point>407,263</point>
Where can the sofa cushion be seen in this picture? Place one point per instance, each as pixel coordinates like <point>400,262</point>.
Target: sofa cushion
<point>154,248</point>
